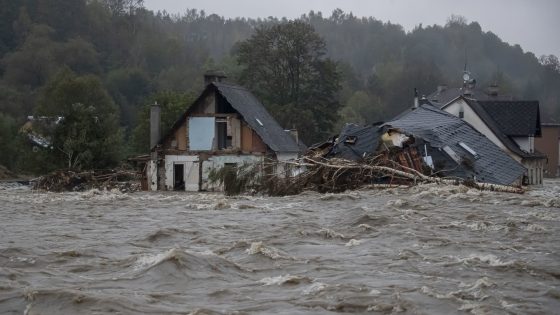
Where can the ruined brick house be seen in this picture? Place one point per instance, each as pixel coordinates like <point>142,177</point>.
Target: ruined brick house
<point>225,126</point>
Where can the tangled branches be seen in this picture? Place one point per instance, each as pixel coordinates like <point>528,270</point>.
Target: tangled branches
<point>68,180</point>
<point>333,175</point>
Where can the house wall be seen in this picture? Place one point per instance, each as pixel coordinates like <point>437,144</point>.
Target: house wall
<point>191,171</point>
<point>535,170</point>
<point>218,161</point>
<point>472,118</point>
<point>549,145</point>
<point>152,175</point>
<point>206,106</point>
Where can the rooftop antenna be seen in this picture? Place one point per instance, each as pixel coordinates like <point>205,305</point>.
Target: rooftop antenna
<point>466,73</point>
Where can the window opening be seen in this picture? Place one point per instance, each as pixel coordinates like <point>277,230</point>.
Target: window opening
<point>221,130</point>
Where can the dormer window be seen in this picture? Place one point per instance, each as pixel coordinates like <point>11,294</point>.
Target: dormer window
<point>461,114</point>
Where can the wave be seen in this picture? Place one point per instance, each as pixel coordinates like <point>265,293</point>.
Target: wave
<point>191,265</point>
<point>258,248</point>
<point>285,279</point>
<point>163,233</point>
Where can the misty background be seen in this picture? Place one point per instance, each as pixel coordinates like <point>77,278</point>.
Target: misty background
<point>111,59</point>
<point>531,24</point>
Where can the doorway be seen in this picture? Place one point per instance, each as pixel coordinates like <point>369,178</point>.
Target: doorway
<point>179,176</point>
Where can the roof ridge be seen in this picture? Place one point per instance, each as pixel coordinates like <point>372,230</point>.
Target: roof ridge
<point>230,85</point>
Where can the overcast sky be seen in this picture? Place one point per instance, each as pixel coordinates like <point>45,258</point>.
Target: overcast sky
<point>533,24</point>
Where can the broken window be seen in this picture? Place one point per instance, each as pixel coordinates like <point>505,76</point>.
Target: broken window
<point>350,139</point>
<point>221,130</point>
<point>201,133</point>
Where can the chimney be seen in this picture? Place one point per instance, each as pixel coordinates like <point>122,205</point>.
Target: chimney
<point>493,89</point>
<point>212,76</point>
<point>294,134</point>
<point>155,122</point>
<point>415,98</point>
<point>441,88</point>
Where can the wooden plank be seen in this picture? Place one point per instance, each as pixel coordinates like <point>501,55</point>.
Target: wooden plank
<point>246,138</point>
<point>258,144</point>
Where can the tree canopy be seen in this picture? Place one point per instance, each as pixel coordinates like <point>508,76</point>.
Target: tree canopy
<point>285,65</point>
<point>313,73</point>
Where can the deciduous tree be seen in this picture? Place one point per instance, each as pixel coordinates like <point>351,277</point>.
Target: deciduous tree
<point>285,65</point>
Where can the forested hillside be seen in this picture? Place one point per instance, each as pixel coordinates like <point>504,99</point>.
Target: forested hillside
<point>114,58</point>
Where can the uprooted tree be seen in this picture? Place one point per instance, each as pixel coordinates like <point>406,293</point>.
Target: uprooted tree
<point>313,173</point>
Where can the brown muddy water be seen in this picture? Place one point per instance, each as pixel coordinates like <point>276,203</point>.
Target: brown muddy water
<point>425,250</point>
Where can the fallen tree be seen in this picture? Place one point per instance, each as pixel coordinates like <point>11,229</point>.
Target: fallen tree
<point>70,180</point>
<point>334,175</point>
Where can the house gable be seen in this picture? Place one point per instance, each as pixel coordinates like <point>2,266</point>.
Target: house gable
<point>228,118</point>
<point>461,105</point>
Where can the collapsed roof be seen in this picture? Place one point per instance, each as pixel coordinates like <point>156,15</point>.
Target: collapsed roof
<point>449,137</point>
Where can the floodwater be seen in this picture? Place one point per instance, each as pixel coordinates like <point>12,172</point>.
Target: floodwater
<point>425,250</point>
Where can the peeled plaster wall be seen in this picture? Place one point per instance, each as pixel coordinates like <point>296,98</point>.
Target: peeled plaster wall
<point>152,175</point>
<point>216,162</point>
<point>191,171</point>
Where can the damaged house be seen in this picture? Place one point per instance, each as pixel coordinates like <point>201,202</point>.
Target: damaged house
<point>225,126</point>
<point>429,140</point>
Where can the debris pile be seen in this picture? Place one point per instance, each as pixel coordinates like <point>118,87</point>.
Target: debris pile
<point>338,175</point>
<point>69,180</point>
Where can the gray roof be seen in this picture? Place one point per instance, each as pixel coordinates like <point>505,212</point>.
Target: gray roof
<point>364,141</point>
<point>257,117</point>
<point>253,112</point>
<point>515,118</point>
<point>441,129</point>
<point>446,95</point>
<point>491,120</point>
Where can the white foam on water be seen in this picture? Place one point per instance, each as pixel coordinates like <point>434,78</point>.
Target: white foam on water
<point>489,259</point>
<point>374,292</point>
<point>398,203</point>
<point>365,226</point>
<point>533,227</point>
<point>148,261</point>
<point>483,282</point>
<point>353,242</point>
<point>328,233</point>
<point>314,288</point>
<point>268,251</point>
<point>279,280</point>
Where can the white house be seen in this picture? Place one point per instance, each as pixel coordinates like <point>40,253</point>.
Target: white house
<point>511,125</point>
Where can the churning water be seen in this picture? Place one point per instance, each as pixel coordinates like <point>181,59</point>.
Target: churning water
<point>424,250</point>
